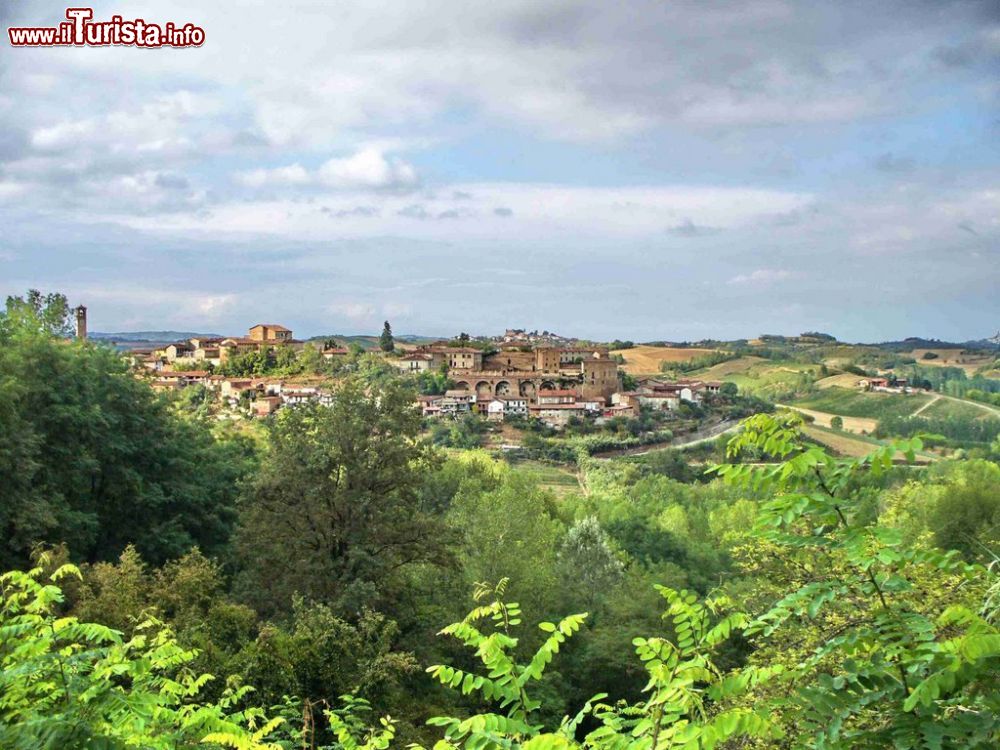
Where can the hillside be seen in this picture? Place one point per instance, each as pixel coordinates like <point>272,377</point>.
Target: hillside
<point>647,360</point>
<point>851,403</point>
<point>153,337</point>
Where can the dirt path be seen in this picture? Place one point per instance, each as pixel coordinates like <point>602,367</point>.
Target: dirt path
<point>935,397</point>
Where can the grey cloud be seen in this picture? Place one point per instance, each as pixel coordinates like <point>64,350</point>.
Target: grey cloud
<point>503,212</point>
<point>687,228</point>
<point>357,211</point>
<point>172,181</point>
<point>414,211</point>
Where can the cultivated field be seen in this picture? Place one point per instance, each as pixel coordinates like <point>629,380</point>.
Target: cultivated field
<point>559,480</point>
<point>646,360</point>
<point>851,424</point>
<point>953,358</point>
<point>850,445</point>
<point>844,380</point>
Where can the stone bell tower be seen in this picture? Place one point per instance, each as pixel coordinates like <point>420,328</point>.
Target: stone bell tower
<point>81,322</point>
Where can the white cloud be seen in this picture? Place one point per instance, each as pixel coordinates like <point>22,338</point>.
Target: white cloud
<point>763,276</point>
<point>536,211</point>
<point>368,169</point>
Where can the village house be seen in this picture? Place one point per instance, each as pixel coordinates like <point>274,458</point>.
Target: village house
<point>557,415</point>
<point>886,385</point>
<point>186,377</point>
<point>548,397</point>
<point>464,358</point>
<point>684,390</point>
<point>430,405</point>
<point>271,332</point>
<point>499,408</point>
<point>414,362</point>
<point>456,402</point>
<point>266,405</point>
<point>263,337</point>
<point>334,352</point>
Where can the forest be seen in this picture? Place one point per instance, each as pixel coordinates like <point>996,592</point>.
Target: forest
<point>338,579</point>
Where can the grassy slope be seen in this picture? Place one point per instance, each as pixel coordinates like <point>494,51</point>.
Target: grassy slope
<point>763,377</point>
<point>851,403</point>
<point>555,478</point>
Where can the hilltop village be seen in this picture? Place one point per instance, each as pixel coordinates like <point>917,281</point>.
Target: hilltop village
<point>523,374</point>
<point>512,389</point>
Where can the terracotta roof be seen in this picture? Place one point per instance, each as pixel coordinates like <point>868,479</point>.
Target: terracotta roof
<point>557,392</point>
<point>185,374</point>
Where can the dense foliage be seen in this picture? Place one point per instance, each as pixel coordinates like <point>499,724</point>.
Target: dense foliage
<point>787,598</point>
<point>91,457</point>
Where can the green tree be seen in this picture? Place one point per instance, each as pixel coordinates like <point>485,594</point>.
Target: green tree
<point>890,651</point>
<point>92,457</point>
<point>837,422</point>
<point>334,512</point>
<point>72,685</point>
<point>385,341</point>
<point>45,313</point>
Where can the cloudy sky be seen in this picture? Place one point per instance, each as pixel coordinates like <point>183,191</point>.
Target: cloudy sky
<point>634,169</point>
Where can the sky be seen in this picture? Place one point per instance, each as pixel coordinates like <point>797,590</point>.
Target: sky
<point>638,170</point>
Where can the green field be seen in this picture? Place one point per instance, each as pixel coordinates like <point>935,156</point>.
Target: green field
<point>946,408</point>
<point>851,403</point>
<point>761,377</point>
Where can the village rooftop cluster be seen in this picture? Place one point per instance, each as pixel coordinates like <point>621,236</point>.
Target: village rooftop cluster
<point>525,374</point>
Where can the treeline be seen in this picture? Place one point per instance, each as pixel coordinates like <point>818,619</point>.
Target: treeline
<point>957,429</point>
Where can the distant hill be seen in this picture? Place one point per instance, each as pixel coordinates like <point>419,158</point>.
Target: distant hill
<point>915,342</point>
<point>152,337</point>
<point>372,342</point>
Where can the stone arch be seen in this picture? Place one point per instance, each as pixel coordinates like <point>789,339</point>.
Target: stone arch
<point>503,388</point>
<point>461,385</point>
<point>527,389</point>
<point>483,388</point>
<point>548,385</point>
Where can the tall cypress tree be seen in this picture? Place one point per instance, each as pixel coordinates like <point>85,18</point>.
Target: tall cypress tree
<point>385,341</point>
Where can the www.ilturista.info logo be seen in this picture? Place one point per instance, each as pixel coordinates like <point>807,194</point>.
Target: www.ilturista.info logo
<point>82,31</point>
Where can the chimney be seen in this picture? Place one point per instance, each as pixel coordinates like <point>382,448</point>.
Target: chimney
<point>81,322</point>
